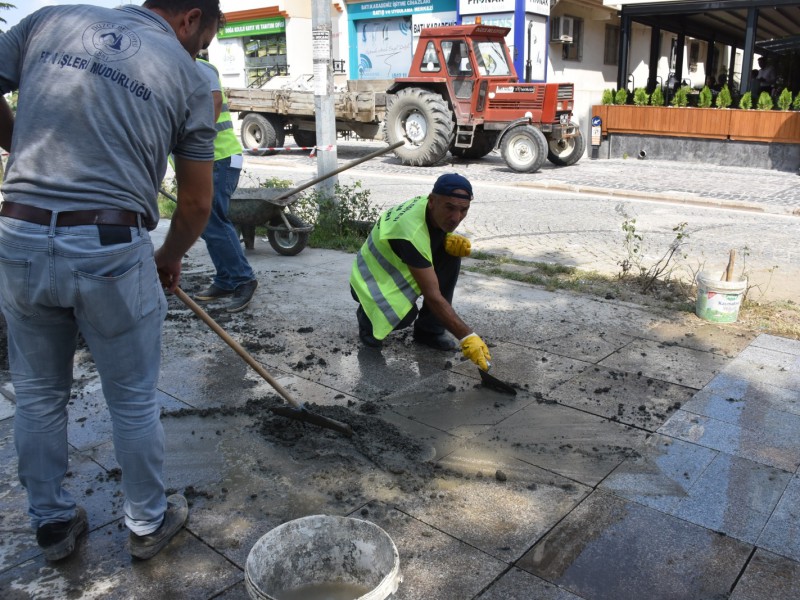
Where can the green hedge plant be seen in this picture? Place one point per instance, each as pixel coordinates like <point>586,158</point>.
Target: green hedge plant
<point>724,99</point>
<point>796,102</point>
<point>746,103</point>
<point>640,97</point>
<point>607,97</point>
<point>681,97</point>
<point>785,100</point>
<point>765,101</point>
<point>705,98</point>
<point>657,97</point>
<point>621,97</point>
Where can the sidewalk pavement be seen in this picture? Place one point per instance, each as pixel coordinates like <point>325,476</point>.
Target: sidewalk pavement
<point>646,455</point>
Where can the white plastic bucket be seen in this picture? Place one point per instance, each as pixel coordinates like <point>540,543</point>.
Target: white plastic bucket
<point>718,301</point>
<point>323,557</point>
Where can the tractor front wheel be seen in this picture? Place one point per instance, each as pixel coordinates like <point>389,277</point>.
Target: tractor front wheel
<point>567,151</point>
<point>524,148</point>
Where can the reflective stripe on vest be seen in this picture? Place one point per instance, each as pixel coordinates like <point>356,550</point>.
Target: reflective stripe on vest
<point>383,283</point>
<point>225,144</point>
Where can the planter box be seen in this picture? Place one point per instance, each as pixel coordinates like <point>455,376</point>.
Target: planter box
<point>771,126</point>
<point>765,126</point>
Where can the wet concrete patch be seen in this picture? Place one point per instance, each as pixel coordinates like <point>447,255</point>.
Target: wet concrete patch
<point>672,363</point>
<point>526,369</point>
<point>609,548</point>
<point>768,575</point>
<point>696,334</point>
<point>433,564</point>
<point>495,503</point>
<point>774,444</point>
<point>563,440</point>
<point>630,398</point>
<point>516,584</point>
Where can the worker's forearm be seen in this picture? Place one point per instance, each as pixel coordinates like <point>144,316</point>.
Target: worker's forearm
<point>187,224</point>
<point>442,310</point>
<point>6,124</point>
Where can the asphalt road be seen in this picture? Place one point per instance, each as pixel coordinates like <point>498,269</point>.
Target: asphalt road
<point>541,217</point>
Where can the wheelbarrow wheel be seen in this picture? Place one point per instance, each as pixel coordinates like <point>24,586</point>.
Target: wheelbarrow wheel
<point>285,242</point>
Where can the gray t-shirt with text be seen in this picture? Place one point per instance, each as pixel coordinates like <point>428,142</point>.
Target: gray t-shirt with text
<point>104,96</point>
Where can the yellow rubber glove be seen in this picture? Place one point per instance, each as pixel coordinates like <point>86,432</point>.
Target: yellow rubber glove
<point>474,348</point>
<point>457,245</point>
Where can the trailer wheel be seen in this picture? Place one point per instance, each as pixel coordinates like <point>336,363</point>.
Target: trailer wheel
<point>422,120</point>
<point>524,148</point>
<point>481,146</point>
<point>566,151</point>
<point>305,138</point>
<point>285,242</point>
<point>260,131</point>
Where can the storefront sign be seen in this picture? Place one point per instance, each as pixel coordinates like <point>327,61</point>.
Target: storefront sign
<point>392,8</point>
<point>485,7</point>
<point>538,7</point>
<point>248,28</point>
<point>420,22</point>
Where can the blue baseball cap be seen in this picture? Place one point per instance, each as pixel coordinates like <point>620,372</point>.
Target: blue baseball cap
<point>453,185</point>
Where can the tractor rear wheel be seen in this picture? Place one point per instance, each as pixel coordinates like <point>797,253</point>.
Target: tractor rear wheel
<point>422,120</point>
<point>524,148</point>
<point>262,131</point>
<point>566,151</point>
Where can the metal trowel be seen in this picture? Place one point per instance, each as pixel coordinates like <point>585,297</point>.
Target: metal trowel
<point>493,383</point>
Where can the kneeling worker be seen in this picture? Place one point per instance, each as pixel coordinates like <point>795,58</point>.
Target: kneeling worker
<point>412,252</point>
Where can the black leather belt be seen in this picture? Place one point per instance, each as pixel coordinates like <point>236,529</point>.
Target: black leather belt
<point>41,216</point>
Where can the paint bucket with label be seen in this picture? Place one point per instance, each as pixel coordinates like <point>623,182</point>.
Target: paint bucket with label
<point>323,556</point>
<point>718,301</point>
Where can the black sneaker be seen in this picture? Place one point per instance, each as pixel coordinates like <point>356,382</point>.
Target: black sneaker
<point>365,330</point>
<point>212,292</point>
<point>147,546</point>
<point>438,341</point>
<point>242,296</point>
<point>57,540</point>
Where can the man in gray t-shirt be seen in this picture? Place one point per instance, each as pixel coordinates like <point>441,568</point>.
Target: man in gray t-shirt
<point>104,96</point>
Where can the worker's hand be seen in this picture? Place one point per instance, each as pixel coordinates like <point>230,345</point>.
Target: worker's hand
<point>457,245</point>
<point>474,348</point>
<point>169,271</point>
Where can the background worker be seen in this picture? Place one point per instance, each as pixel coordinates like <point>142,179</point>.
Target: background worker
<point>234,276</point>
<point>104,96</point>
<point>412,252</point>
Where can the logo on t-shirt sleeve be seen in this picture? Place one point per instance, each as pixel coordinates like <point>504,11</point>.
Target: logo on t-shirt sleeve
<point>110,42</point>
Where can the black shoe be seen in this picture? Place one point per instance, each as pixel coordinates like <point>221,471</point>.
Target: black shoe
<point>365,330</point>
<point>57,540</point>
<point>438,341</point>
<point>242,296</point>
<point>213,292</point>
<point>147,546</point>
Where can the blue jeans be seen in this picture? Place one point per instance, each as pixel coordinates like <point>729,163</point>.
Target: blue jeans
<point>54,283</point>
<point>220,235</point>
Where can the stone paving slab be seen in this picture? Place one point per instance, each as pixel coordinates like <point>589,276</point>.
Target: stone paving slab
<point>609,548</point>
<point>782,532</point>
<point>768,576</point>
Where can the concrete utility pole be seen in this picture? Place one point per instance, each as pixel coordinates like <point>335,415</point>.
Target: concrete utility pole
<point>323,94</point>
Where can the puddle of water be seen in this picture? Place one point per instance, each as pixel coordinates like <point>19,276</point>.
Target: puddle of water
<point>324,591</point>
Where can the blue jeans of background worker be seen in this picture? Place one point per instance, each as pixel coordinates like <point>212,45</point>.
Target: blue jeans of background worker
<point>221,236</point>
<point>54,283</point>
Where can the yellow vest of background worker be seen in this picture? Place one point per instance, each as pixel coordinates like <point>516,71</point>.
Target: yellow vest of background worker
<point>225,144</point>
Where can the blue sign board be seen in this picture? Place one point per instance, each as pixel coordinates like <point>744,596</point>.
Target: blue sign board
<point>596,121</point>
<point>392,8</point>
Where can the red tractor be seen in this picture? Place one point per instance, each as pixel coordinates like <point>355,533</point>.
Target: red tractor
<point>462,94</point>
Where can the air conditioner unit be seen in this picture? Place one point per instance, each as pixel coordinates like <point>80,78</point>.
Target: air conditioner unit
<point>561,30</point>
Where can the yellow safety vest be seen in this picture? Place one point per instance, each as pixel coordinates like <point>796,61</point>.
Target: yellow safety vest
<point>225,144</point>
<point>383,283</point>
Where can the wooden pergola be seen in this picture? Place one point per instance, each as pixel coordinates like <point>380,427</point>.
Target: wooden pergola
<point>755,26</point>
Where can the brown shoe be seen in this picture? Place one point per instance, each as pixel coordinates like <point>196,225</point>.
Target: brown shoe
<point>147,546</point>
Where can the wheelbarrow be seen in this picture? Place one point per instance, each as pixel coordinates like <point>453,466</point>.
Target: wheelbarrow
<point>287,233</point>
<point>254,207</point>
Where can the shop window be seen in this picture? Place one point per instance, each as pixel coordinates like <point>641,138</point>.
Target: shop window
<point>265,57</point>
<point>611,48</point>
<point>574,51</point>
<point>430,62</point>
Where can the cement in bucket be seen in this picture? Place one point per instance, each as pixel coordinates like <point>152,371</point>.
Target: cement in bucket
<point>323,558</point>
<point>718,301</point>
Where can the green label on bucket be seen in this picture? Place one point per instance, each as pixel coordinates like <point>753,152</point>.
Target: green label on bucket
<point>717,307</point>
